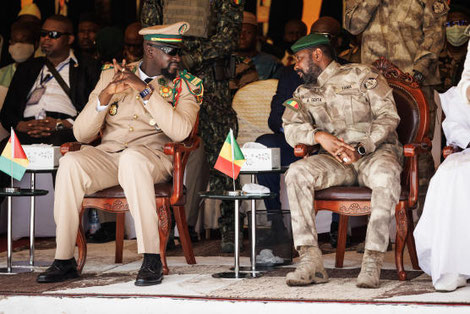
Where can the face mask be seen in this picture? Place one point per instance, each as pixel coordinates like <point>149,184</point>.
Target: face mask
<point>21,52</point>
<point>456,35</point>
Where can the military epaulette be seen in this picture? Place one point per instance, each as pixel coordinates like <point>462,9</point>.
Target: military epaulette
<point>196,88</point>
<point>107,66</point>
<point>196,81</point>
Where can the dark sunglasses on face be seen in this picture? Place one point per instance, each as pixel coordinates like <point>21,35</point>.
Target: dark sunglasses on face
<point>171,51</point>
<point>52,34</point>
<point>459,23</point>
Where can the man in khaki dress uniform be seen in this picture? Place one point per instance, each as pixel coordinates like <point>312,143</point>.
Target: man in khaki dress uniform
<point>138,108</point>
<point>350,112</point>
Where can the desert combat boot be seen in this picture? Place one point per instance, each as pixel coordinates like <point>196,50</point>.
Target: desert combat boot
<point>310,269</point>
<point>369,276</point>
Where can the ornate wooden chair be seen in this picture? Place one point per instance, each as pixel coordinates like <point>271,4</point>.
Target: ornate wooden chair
<point>167,195</point>
<point>355,200</point>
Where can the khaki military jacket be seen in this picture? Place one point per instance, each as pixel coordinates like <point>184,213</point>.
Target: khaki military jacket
<point>410,33</point>
<point>128,121</point>
<point>352,102</point>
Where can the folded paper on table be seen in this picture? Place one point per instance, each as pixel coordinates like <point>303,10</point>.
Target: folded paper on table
<point>42,156</point>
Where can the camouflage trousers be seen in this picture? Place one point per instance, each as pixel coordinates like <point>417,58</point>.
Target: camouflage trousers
<point>380,171</point>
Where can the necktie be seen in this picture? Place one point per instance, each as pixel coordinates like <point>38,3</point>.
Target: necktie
<point>148,80</point>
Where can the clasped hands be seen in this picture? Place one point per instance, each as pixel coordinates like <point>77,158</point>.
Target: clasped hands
<point>40,128</point>
<point>123,79</point>
<point>343,152</point>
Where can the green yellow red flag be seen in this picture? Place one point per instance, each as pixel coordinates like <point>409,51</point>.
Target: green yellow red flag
<point>13,160</point>
<point>224,161</point>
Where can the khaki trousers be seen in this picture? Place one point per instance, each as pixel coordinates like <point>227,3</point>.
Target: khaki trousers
<point>380,171</point>
<point>89,170</point>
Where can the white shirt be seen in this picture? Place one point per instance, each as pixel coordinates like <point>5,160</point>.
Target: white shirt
<point>54,98</point>
<point>457,122</point>
<point>464,83</point>
<point>141,75</point>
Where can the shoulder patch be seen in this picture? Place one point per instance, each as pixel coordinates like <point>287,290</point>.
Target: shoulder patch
<point>107,66</point>
<point>292,103</point>
<point>370,83</point>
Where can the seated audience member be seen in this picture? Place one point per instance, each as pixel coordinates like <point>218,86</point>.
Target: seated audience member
<point>288,82</point>
<point>357,146</point>
<point>133,50</point>
<point>353,53</point>
<point>23,42</point>
<point>452,57</point>
<point>86,36</point>
<point>442,232</point>
<point>138,119</point>
<point>41,105</point>
<point>245,73</point>
<point>266,65</point>
<point>293,30</point>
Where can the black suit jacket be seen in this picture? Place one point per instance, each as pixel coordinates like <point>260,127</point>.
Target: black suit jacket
<point>82,78</point>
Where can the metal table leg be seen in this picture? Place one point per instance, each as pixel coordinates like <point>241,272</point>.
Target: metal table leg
<point>236,273</point>
<point>9,269</point>
<point>32,211</point>
<point>32,230</point>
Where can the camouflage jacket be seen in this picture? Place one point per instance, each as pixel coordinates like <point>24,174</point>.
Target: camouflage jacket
<point>352,102</point>
<point>410,33</point>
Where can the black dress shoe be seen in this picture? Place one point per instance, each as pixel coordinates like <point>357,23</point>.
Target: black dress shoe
<point>150,272</point>
<point>60,270</point>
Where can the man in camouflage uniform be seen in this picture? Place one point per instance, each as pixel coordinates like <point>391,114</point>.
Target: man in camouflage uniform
<point>205,57</point>
<point>350,112</point>
<point>411,35</point>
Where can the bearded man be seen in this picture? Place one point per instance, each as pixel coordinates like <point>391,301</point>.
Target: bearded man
<point>349,111</point>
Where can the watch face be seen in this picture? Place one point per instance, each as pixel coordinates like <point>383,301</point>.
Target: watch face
<point>361,150</point>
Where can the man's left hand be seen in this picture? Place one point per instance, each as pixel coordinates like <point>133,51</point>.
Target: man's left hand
<point>129,78</point>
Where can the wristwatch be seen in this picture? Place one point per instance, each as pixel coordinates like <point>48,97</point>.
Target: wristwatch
<point>59,125</point>
<point>360,149</point>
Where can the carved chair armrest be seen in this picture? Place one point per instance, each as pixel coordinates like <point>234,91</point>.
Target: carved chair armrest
<point>446,151</point>
<point>70,147</point>
<point>180,152</point>
<point>412,151</point>
<point>303,150</point>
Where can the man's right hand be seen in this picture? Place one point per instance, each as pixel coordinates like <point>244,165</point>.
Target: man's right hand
<point>332,144</point>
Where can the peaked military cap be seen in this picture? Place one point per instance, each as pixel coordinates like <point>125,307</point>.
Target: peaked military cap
<point>309,41</point>
<point>172,33</point>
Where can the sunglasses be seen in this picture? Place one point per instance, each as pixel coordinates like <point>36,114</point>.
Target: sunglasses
<point>171,51</point>
<point>52,34</point>
<point>459,23</point>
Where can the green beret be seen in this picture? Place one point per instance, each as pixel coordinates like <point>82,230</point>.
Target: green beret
<point>309,41</point>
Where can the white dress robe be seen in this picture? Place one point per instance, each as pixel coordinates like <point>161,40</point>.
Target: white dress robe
<point>443,232</point>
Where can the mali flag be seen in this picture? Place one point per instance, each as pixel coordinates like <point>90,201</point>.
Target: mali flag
<point>224,162</point>
<point>13,160</point>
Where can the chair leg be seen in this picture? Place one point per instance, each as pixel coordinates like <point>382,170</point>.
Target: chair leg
<point>81,243</point>
<point>341,245</point>
<point>183,231</point>
<point>164,223</point>
<point>119,237</point>
<point>402,234</point>
<point>410,241</point>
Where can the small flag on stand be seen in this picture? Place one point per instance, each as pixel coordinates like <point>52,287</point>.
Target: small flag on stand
<point>231,158</point>
<point>13,160</point>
